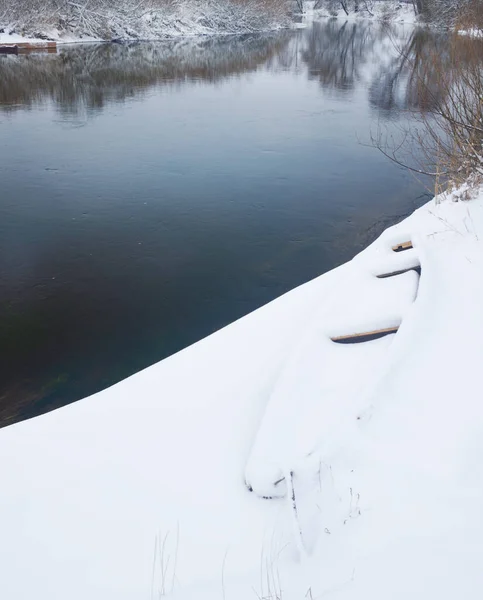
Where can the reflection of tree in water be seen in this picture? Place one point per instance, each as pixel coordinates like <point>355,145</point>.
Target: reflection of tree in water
<point>395,63</point>
<point>415,77</point>
<point>335,54</point>
<point>397,85</point>
<point>389,60</point>
<point>91,76</point>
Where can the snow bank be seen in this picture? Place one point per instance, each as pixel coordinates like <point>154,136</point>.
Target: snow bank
<point>142,490</point>
<point>15,38</point>
<point>135,21</point>
<point>131,20</point>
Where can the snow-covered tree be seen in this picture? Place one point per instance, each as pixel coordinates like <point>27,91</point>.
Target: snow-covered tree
<point>141,18</point>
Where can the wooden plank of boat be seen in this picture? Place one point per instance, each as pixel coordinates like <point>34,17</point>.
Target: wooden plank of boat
<point>402,246</point>
<point>365,336</point>
<point>394,273</point>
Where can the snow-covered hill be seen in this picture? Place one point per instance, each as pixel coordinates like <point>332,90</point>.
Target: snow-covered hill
<point>371,451</point>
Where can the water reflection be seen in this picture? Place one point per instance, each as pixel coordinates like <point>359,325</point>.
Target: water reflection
<point>336,55</point>
<point>206,177</point>
<point>388,59</point>
<point>398,84</point>
<point>92,76</point>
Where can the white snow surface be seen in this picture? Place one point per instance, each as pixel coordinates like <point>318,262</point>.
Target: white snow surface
<point>15,38</point>
<point>139,491</point>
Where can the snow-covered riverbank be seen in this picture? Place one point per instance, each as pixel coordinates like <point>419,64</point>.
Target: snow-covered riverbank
<point>183,19</point>
<point>140,490</point>
<point>130,20</point>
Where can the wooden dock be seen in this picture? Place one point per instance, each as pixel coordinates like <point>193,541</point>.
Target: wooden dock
<point>28,47</point>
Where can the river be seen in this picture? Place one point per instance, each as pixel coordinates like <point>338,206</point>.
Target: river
<point>153,193</point>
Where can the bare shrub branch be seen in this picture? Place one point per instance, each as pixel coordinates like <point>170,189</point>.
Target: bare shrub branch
<point>448,134</point>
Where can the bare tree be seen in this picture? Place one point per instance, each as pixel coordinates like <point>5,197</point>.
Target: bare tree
<point>449,135</point>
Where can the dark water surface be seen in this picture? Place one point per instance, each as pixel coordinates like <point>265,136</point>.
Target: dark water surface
<point>152,193</point>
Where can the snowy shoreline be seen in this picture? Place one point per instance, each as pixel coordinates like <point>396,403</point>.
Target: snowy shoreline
<point>189,25</point>
<point>382,438</point>
<point>131,21</point>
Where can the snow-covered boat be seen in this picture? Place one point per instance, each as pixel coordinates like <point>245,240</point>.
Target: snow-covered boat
<point>139,491</point>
